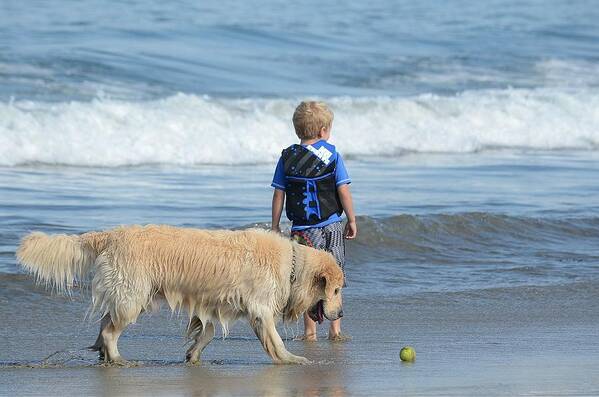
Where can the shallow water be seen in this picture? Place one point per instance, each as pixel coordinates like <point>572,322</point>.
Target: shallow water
<point>506,341</point>
<point>440,223</point>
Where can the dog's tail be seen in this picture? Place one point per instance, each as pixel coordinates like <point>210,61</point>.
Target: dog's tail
<point>58,260</point>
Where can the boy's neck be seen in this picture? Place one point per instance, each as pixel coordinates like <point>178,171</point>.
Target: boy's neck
<point>309,141</point>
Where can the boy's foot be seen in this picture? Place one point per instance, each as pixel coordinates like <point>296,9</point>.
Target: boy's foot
<point>307,338</point>
<point>339,337</point>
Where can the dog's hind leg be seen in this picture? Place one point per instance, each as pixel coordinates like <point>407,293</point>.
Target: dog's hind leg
<point>98,346</point>
<point>113,324</point>
<point>125,313</point>
<point>203,336</point>
<point>265,330</point>
<point>110,336</point>
<point>121,292</point>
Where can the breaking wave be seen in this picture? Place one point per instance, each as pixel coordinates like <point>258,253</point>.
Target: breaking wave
<point>189,129</point>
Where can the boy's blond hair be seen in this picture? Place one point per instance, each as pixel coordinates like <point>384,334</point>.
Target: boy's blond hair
<point>310,117</point>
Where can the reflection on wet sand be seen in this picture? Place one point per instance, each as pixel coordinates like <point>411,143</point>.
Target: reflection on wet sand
<point>323,378</point>
<point>469,344</point>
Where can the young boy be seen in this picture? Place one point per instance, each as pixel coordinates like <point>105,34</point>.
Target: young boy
<point>311,180</point>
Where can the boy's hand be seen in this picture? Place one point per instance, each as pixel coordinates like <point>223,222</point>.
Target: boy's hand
<point>275,228</point>
<point>351,230</point>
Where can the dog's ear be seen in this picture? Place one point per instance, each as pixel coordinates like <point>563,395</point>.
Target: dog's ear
<point>321,280</point>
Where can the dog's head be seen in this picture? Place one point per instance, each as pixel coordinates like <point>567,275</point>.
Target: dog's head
<point>327,285</point>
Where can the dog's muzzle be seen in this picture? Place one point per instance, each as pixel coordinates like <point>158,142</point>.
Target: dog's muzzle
<point>316,312</point>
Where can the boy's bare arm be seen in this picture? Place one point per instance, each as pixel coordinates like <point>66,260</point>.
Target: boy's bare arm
<point>278,200</point>
<point>351,228</point>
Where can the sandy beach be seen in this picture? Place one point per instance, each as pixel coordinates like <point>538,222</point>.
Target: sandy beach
<point>508,342</point>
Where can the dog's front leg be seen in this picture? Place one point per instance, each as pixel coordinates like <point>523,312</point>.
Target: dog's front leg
<point>273,344</point>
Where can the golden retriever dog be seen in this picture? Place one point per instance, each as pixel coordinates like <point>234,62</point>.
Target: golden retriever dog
<point>216,276</point>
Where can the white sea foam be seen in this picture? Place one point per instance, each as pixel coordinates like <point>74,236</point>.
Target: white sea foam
<point>189,129</point>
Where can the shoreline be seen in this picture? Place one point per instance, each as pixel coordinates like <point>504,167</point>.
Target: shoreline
<point>517,341</point>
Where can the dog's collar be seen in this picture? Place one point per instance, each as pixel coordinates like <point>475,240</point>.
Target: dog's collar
<point>294,254</point>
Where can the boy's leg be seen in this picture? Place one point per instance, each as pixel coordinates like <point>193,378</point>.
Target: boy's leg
<point>335,244</point>
<point>309,329</point>
<point>312,238</point>
<point>335,329</point>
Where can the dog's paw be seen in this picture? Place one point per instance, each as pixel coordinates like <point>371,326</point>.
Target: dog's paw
<point>191,360</point>
<point>304,361</point>
<point>120,362</point>
<point>292,359</point>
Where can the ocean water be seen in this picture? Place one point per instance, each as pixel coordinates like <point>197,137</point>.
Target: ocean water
<point>470,131</point>
<point>427,223</point>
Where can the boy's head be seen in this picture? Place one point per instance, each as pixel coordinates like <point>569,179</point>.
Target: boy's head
<point>311,119</point>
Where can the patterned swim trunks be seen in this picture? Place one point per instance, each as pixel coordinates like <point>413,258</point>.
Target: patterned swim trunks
<point>328,238</point>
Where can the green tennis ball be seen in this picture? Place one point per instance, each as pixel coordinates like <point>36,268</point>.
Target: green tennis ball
<point>407,354</point>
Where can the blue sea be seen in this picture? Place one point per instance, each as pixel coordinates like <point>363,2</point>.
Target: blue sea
<point>470,131</point>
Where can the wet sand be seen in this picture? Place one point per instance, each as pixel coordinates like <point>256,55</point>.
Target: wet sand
<point>515,341</point>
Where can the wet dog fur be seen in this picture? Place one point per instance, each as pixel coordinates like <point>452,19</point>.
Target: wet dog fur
<point>216,276</point>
